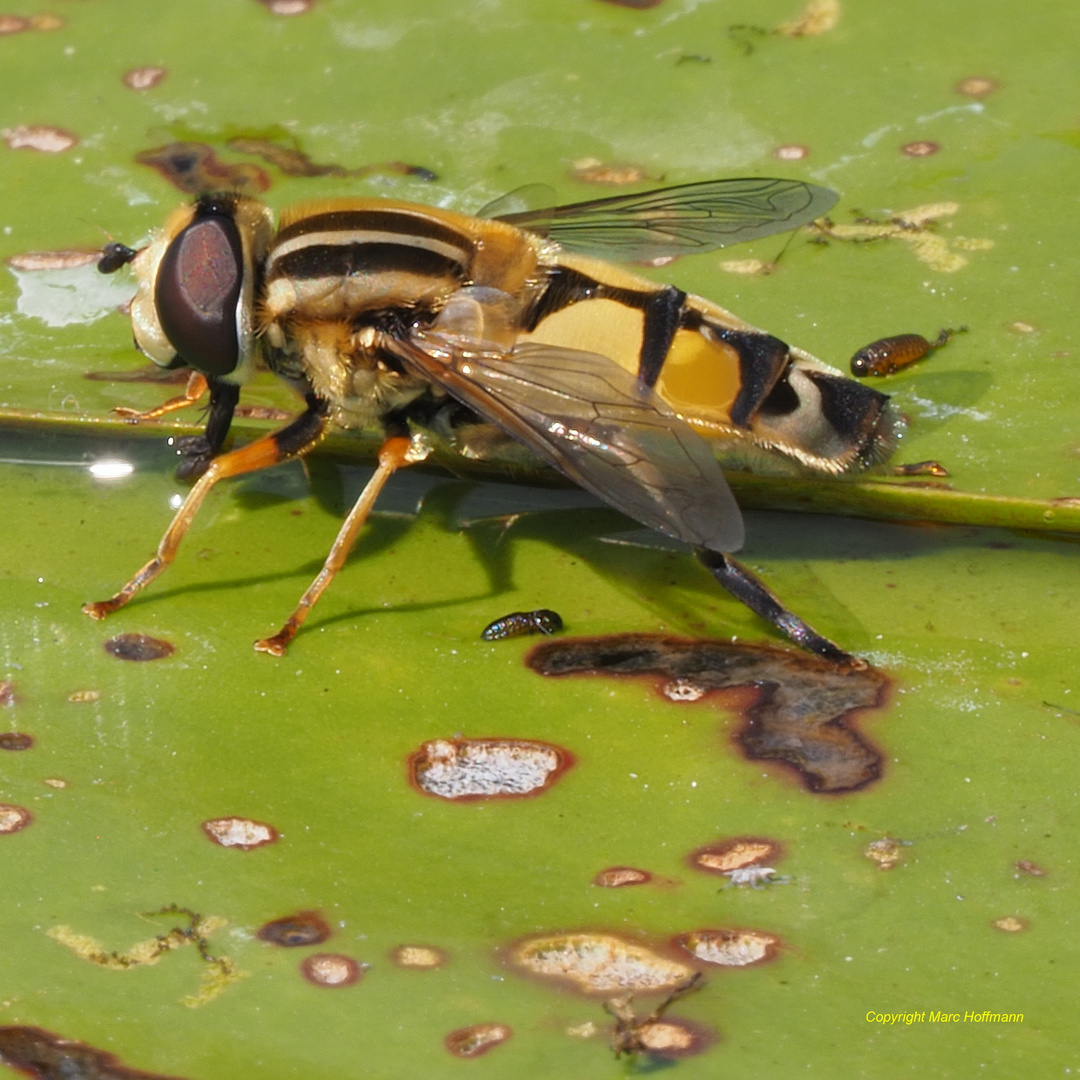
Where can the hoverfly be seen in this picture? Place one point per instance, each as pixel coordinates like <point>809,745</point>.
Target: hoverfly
<point>481,332</point>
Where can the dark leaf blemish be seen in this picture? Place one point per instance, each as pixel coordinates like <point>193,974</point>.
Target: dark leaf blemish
<point>799,716</point>
<point>45,1056</point>
<point>292,931</point>
<point>294,162</point>
<point>15,740</point>
<point>196,169</point>
<point>138,647</point>
<point>473,1041</point>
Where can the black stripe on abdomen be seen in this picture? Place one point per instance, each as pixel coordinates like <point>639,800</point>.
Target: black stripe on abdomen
<point>662,310</point>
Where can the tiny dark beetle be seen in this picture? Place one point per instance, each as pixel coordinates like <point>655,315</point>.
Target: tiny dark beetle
<point>523,623</point>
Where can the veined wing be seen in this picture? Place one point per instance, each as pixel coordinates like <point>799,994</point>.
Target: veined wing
<point>596,423</point>
<point>522,200</point>
<point>678,220</point>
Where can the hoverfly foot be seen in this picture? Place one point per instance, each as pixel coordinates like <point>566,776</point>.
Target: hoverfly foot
<point>99,609</point>
<point>279,643</point>
<point>195,454</point>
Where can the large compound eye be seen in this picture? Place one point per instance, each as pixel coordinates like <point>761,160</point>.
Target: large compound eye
<point>197,291</point>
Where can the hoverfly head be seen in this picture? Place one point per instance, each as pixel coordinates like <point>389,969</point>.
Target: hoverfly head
<point>196,286</point>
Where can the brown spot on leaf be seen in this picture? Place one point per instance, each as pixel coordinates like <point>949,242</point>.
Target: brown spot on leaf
<point>594,171</point>
<point>47,23</point>
<point>83,697</point>
<point>292,161</point>
<point>52,260</point>
<point>470,1042</point>
<point>617,877</point>
<point>292,931</point>
<point>671,1038</point>
<point>47,140</point>
<point>219,972</point>
<point>1010,924</point>
<point>7,693</point>
<point>1028,867</point>
<point>730,948</point>
<point>466,769</point>
<point>598,963</point>
<point>977,86</point>
<point>45,1056</point>
<point>799,713</point>
<point>791,152</point>
<point>237,832</point>
<point>333,970</point>
<point>652,1034</point>
<point>287,7</point>
<point>418,957</point>
<point>138,647</point>
<point>13,818</point>
<point>920,148</point>
<point>682,690</point>
<point>144,78</point>
<point>13,24</point>
<point>817,17</point>
<point>195,168</point>
<point>886,852</point>
<point>15,740</point>
<point>735,854</point>
<point>55,782</point>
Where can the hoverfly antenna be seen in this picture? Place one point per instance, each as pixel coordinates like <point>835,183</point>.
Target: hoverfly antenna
<point>114,255</point>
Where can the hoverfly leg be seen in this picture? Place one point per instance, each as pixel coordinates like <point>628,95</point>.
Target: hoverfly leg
<point>302,434</point>
<point>197,451</point>
<point>749,590</point>
<point>196,387</point>
<point>394,454</point>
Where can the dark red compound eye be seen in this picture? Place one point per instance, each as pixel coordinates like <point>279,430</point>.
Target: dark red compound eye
<point>197,292</point>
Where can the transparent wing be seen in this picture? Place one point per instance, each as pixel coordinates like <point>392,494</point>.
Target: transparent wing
<point>596,423</point>
<point>678,220</point>
<point>521,200</point>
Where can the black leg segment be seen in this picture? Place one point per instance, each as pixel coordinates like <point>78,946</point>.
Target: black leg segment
<point>197,451</point>
<point>745,587</point>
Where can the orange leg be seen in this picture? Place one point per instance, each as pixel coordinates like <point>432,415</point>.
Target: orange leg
<point>302,434</point>
<point>394,454</point>
<point>196,387</point>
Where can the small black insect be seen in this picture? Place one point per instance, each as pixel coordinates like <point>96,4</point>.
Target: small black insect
<point>522,623</point>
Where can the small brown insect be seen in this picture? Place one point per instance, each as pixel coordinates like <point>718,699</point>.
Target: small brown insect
<point>921,468</point>
<point>523,623</point>
<point>886,355</point>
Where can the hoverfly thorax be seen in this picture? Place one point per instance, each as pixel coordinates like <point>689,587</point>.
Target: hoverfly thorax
<point>197,287</point>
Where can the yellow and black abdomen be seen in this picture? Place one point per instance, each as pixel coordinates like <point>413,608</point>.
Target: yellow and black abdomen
<point>745,390</point>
